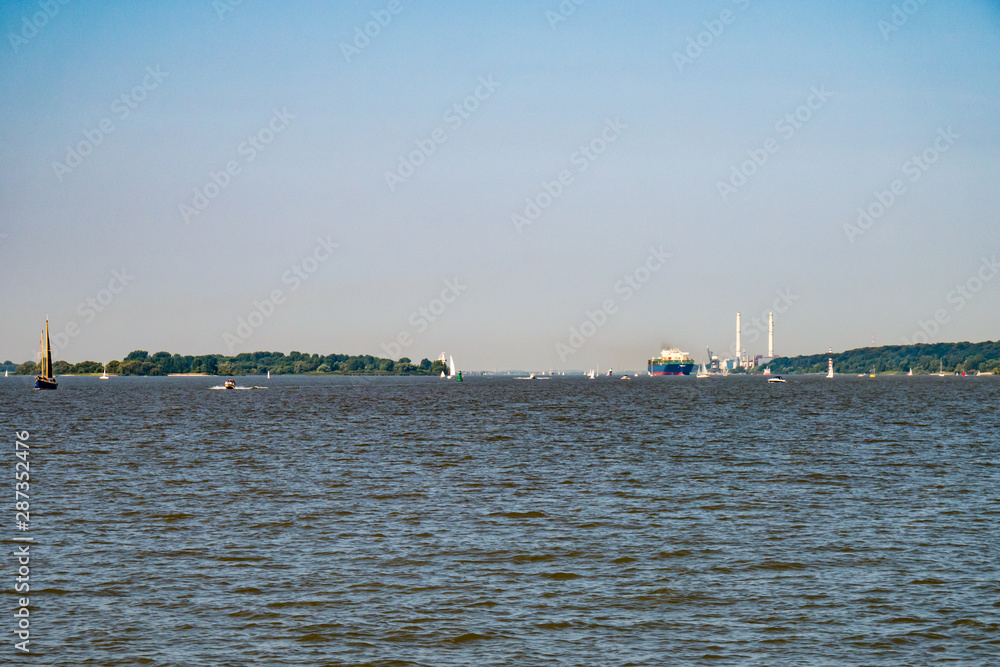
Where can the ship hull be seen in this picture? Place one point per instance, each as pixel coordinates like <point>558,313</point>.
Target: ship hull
<point>671,369</point>
<point>45,383</point>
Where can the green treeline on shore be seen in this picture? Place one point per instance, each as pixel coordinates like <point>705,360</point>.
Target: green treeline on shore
<point>140,362</point>
<point>923,358</point>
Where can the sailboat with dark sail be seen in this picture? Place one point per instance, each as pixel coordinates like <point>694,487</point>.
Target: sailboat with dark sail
<point>45,379</point>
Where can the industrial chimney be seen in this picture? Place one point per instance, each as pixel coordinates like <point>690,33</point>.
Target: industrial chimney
<point>770,335</point>
<point>739,342</point>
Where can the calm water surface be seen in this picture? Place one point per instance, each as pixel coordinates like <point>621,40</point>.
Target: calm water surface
<point>414,521</point>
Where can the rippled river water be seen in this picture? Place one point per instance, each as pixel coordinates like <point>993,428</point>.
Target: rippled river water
<point>415,521</point>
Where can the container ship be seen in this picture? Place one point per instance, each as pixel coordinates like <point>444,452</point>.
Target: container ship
<point>671,362</point>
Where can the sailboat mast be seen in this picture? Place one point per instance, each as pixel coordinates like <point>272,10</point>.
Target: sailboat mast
<point>48,352</point>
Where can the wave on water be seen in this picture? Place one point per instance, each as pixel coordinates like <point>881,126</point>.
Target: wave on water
<point>407,521</point>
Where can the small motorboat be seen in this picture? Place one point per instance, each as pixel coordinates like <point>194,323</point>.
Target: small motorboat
<point>230,384</point>
<point>776,378</point>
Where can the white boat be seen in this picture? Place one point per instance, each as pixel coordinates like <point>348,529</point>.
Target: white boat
<point>104,376</point>
<point>909,372</point>
<point>625,377</point>
<point>703,372</point>
<point>829,368</point>
<point>531,376</point>
<point>451,367</point>
<point>269,375</point>
<point>776,378</point>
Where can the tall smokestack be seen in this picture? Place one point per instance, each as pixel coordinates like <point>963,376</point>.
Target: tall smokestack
<point>739,342</point>
<point>770,334</point>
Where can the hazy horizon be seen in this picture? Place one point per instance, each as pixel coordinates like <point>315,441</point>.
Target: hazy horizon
<point>486,180</point>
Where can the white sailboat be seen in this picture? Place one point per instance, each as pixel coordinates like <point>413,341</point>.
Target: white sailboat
<point>451,367</point>
<point>909,372</point>
<point>829,368</point>
<point>702,372</point>
<point>104,375</point>
<point>269,375</point>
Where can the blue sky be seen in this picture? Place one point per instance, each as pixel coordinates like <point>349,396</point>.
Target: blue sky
<point>202,84</point>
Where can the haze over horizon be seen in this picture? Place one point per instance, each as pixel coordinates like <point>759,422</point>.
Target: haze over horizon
<point>486,180</point>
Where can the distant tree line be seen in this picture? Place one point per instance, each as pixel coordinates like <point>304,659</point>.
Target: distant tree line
<point>140,362</point>
<point>925,358</point>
